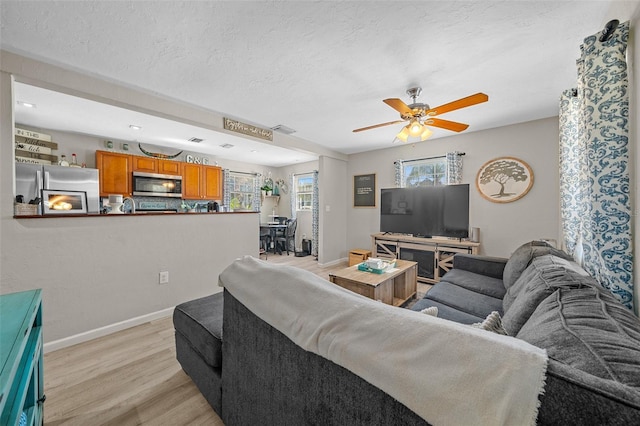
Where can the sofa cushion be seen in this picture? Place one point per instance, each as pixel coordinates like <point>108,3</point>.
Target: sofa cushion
<point>522,257</point>
<point>544,276</point>
<point>588,329</point>
<point>446,312</point>
<point>471,302</point>
<point>475,282</point>
<point>199,321</point>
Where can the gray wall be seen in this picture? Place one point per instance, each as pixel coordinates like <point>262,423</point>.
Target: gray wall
<point>502,226</point>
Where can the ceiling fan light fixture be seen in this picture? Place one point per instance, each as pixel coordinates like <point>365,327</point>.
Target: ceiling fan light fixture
<point>404,134</point>
<point>415,128</point>
<point>425,134</point>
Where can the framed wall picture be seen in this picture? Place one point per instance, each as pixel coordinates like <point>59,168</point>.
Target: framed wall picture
<point>504,179</point>
<point>55,202</point>
<point>364,190</point>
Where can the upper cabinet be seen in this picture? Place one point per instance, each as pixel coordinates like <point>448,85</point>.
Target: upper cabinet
<point>191,181</point>
<point>115,173</point>
<point>212,177</point>
<point>144,164</point>
<point>168,167</point>
<point>201,182</point>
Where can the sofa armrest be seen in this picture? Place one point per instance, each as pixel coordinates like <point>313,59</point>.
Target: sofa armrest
<point>483,265</point>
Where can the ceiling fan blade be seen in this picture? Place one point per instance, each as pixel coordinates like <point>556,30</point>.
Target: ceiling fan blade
<point>378,125</point>
<point>460,103</point>
<point>446,124</point>
<point>399,106</point>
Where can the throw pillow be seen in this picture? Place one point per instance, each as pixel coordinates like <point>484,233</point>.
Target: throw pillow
<point>431,310</point>
<point>492,323</point>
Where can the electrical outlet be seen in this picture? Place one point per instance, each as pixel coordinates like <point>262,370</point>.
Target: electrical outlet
<point>164,277</point>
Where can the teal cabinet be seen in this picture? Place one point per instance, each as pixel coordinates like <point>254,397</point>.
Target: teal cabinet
<point>21,374</point>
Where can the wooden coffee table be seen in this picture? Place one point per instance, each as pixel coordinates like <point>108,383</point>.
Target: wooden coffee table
<point>395,287</point>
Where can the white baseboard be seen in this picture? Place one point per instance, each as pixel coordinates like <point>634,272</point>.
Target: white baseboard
<point>103,331</point>
<point>334,262</point>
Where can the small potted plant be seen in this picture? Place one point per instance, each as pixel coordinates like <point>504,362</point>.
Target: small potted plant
<point>266,189</point>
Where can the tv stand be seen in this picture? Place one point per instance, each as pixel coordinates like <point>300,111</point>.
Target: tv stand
<point>434,255</point>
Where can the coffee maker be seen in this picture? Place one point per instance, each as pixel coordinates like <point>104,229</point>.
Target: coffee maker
<point>212,206</point>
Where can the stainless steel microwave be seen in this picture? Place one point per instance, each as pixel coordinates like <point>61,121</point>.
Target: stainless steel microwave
<point>157,185</point>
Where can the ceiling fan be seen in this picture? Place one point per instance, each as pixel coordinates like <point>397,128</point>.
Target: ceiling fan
<point>420,116</point>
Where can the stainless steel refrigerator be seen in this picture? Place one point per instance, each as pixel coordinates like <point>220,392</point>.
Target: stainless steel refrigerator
<point>32,178</point>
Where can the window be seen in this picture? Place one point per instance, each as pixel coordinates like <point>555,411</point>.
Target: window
<point>304,191</point>
<point>428,172</point>
<point>241,190</point>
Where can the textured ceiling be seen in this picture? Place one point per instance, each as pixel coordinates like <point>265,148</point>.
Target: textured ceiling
<point>321,68</point>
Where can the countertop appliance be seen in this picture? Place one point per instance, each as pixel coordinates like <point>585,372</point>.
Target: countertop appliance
<point>32,178</point>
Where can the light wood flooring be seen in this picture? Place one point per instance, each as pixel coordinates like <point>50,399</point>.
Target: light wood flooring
<point>132,377</point>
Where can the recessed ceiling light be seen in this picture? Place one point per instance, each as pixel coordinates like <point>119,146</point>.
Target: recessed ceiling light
<point>196,140</point>
<point>283,129</point>
<point>26,104</point>
<point>134,127</point>
<point>254,150</point>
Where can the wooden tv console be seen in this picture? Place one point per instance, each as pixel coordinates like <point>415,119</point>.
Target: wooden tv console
<point>434,255</point>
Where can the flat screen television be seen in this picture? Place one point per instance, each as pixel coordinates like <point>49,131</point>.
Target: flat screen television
<point>426,211</point>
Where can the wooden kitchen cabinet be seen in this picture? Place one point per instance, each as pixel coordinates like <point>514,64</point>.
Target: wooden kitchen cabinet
<point>212,177</point>
<point>168,167</point>
<point>191,181</point>
<point>144,164</point>
<point>115,173</point>
<point>201,182</point>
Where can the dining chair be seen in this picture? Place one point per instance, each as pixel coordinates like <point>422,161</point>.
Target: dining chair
<point>288,240</point>
<point>265,241</point>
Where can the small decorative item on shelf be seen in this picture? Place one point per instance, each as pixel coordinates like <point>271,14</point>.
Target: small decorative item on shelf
<point>63,161</point>
<point>266,189</point>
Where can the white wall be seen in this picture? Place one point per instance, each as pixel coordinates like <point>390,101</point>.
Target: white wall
<point>503,227</point>
<point>333,193</point>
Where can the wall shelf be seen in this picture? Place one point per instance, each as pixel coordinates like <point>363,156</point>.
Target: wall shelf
<point>274,197</point>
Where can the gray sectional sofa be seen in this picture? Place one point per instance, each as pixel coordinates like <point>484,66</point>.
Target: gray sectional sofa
<point>257,375</point>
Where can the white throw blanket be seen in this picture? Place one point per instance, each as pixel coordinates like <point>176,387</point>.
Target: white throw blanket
<point>448,373</point>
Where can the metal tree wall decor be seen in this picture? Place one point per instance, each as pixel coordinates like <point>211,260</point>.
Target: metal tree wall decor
<point>504,179</point>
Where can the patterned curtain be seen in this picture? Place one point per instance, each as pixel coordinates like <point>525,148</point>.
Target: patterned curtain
<point>292,195</point>
<point>226,191</point>
<point>257,194</point>
<point>454,168</point>
<point>594,163</point>
<point>315,215</point>
<point>399,177</point>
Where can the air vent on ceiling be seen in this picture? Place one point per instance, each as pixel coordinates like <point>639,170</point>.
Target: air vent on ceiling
<point>227,145</point>
<point>196,140</point>
<point>281,128</point>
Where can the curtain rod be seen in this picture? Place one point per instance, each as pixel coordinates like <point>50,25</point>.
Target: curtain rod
<point>609,29</point>
<point>245,173</point>
<point>426,158</point>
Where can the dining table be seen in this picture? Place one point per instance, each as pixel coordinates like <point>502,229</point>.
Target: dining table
<point>273,228</point>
